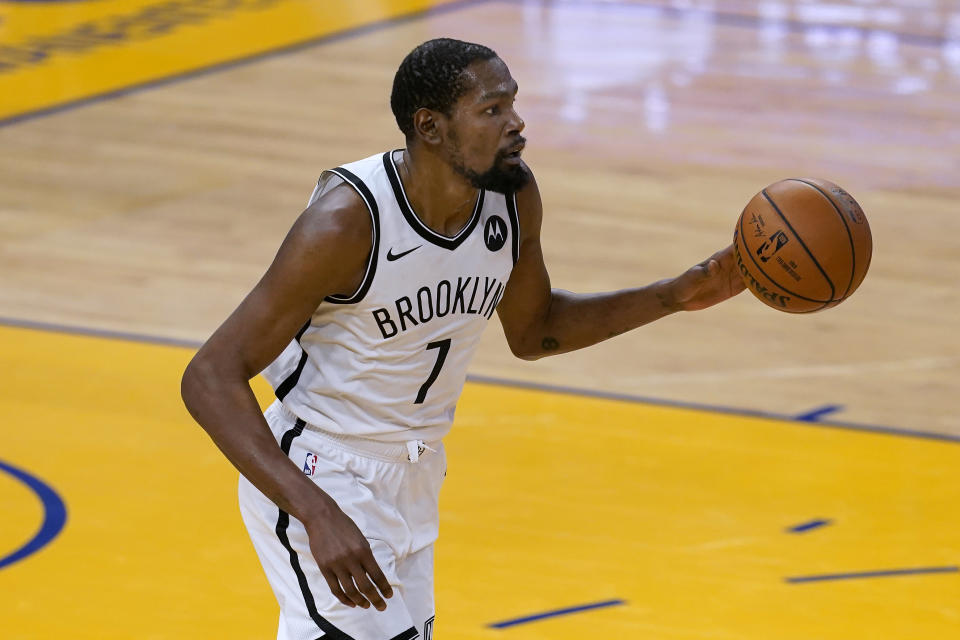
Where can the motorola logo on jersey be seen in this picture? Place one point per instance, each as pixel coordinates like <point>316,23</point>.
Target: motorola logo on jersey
<point>495,233</point>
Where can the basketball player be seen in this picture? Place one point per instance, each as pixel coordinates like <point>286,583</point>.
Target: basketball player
<point>365,323</point>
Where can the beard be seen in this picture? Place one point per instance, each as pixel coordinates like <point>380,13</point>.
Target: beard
<point>501,177</point>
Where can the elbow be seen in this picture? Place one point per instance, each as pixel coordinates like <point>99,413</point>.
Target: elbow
<point>208,381</point>
<point>526,350</point>
<point>188,384</point>
<point>194,384</point>
<point>529,356</point>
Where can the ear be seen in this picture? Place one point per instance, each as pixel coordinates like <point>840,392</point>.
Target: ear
<point>429,126</point>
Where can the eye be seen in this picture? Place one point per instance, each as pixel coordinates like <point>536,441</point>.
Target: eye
<point>492,111</point>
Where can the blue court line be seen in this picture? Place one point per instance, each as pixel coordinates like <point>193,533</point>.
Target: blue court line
<point>555,613</point>
<point>626,397</point>
<point>514,384</point>
<point>888,573</point>
<point>140,338</point>
<point>809,526</point>
<point>54,515</point>
<point>814,415</point>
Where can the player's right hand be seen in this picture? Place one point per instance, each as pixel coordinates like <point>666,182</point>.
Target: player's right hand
<point>346,561</point>
<point>705,284</point>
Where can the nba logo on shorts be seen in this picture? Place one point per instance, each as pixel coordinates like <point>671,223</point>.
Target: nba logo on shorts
<point>310,463</point>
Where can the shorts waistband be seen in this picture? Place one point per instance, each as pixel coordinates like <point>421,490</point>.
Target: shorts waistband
<point>409,451</point>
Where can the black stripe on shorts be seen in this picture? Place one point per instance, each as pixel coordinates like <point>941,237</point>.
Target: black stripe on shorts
<point>283,521</point>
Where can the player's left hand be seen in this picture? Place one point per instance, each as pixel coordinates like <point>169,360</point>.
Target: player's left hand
<point>705,284</point>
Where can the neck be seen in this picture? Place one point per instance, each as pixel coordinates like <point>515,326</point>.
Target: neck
<point>441,198</point>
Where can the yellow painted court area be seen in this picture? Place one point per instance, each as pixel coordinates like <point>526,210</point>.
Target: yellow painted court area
<point>552,500</point>
<point>53,53</point>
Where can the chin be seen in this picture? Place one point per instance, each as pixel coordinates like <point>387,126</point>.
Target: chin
<point>504,178</point>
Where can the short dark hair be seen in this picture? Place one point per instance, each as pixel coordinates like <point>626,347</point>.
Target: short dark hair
<point>430,77</point>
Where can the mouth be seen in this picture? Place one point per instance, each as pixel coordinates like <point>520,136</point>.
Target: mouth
<point>513,153</point>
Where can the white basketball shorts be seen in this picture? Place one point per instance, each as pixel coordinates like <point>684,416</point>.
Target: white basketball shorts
<point>393,501</point>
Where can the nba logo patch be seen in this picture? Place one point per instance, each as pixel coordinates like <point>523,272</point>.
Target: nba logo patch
<point>310,464</point>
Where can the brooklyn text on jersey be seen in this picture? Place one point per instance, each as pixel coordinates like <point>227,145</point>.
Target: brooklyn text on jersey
<point>439,301</point>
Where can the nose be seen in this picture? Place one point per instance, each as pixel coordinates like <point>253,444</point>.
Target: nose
<point>516,124</point>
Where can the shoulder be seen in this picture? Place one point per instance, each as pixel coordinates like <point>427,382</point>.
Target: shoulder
<point>329,244</point>
<point>338,214</point>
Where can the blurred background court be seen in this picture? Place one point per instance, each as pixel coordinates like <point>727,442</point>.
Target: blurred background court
<point>737,473</point>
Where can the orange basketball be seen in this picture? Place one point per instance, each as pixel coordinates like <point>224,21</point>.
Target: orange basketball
<point>802,245</point>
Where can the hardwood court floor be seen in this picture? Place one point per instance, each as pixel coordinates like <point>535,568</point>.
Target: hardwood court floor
<point>650,125</point>
<point>551,501</point>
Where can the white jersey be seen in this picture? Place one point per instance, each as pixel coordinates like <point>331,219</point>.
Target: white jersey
<point>389,362</point>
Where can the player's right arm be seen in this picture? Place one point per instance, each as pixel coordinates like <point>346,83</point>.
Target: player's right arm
<point>324,253</point>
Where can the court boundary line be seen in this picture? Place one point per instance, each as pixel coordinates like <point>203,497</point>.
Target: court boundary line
<point>711,408</point>
<point>95,332</point>
<point>728,19</point>
<point>110,334</point>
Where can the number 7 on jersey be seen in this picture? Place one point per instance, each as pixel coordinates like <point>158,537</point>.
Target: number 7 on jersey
<point>444,347</point>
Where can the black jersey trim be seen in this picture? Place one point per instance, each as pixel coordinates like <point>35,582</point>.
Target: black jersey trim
<point>425,232</point>
<point>409,634</point>
<point>354,181</point>
<point>291,381</point>
<point>283,522</point>
<point>514,225</point>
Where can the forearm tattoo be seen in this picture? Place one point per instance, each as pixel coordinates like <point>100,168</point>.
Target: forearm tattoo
<point>664,302</point>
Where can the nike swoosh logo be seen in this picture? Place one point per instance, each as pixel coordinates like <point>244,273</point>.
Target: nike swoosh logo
<point>391,256</point>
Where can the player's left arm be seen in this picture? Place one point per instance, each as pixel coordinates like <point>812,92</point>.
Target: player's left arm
<point>539,320</point>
